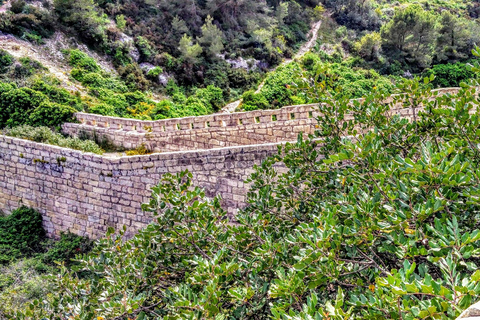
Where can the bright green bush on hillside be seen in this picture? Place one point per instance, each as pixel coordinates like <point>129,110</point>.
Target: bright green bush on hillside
<point>450,75</point>
<point>16,105</point>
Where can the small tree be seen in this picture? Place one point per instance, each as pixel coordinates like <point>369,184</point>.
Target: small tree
<point>412,32</point>
<point>211,38</point>
<point>369,46</point>
<point>453,38</point>
<point>190,51</point>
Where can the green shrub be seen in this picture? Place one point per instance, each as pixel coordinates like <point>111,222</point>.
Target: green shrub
<point>51,114</point>
<point>211,96</point>
<point>162,110</point>
<point>56,94</point>
<point>5,87</point>
<point>154,73</point>
<point>46,135</point>
<point>117,100</point>
<point>133,77</point>
<point>31,66</point>
<point>103,109</point>
<point>135,97</point>
<point>77,74</point>
<point>21,234</point>
<point>276,89</point>
<point>81,60</point>
<point>6,60</point>
<point>254,101</point>
<point>17,104</point>
<point>449,75</point>
<point>66,248</point>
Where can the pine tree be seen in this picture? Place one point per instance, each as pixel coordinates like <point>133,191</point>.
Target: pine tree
<point>190,51</point>
<point>453,38</point>
<point>211,38</point>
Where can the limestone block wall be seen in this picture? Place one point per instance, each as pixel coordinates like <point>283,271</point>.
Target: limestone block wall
<point>205,132</point>
<point>85,193</point>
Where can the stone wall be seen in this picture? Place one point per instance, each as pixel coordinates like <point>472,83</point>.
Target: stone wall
<point>205,132</point>
<point>86,193</point>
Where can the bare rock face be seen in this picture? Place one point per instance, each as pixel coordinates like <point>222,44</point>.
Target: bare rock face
<point>472,313</point>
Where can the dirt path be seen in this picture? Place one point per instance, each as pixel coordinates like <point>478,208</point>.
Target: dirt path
<point>20,48</point>
<point>313,33</point>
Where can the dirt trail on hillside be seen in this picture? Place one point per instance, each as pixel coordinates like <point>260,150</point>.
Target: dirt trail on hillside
<point>50,53</point>
<point>313,33</point>
<point>20,48</point>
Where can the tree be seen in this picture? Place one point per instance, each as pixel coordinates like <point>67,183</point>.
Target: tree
<point>211,38</point>
<point>412,31</point>
<point>190,51</point>
<point>83,17</point>
<point>369,46</point>
<point>281,12</point>
<point>453,38</point>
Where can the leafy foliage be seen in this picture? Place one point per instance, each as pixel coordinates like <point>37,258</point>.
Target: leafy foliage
<point>20,234</point>
<point>450,75</point>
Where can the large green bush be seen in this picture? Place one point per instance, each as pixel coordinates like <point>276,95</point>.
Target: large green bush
<point>81,60</point>
<point>17,104</point>
<point>50,114</point>
<point>450,75</point>
<point>21,234</point>
<point>26,106</point>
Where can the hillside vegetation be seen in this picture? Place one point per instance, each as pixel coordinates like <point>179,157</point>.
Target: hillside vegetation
<point>376,217</point>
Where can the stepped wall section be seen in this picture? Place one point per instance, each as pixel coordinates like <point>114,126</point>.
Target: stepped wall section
<point>204,132</point>
<point>86,193</point>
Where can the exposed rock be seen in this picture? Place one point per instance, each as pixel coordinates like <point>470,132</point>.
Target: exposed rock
<point>472,313</point>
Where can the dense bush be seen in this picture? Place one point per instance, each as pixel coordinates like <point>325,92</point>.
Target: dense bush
<point>65,249</point>
<point>21,234</point>
<point>46,135</point>
<point>6,60</point>
<point>450,75</point>
<point>81,60</point>
<point>17,104</point>
<point>51,114</point>
<point>21,106</point>
<point>254,101</point>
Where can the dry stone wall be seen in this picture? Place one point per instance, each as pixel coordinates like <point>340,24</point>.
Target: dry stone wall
<point>86,193</point>
<point>206,132</point>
